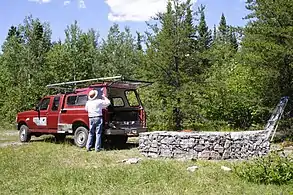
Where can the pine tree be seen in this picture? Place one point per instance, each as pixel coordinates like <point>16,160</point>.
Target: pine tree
<point>119,53</point>
<point>138,42</point>
<point>215,33</point>
<point>81,47</point>
<point>233,39</point>
<point>268,46</point>
<point>24,63</point>
<point>12,32</point>
<point>204,34</point>
<point>223,29</point>
<point>172,59</point>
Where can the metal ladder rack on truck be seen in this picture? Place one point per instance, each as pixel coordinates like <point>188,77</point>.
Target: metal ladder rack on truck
<point>64,114</point>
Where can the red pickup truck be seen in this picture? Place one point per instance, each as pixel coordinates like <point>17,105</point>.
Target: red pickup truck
<point>64,114</point>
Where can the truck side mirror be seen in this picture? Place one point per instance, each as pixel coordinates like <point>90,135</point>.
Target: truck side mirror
<point>37,108</point>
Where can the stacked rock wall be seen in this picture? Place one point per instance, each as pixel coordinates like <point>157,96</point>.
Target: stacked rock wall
<point>204,145</point>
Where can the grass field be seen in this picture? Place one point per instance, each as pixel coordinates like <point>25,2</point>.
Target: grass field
<point>45,167</point>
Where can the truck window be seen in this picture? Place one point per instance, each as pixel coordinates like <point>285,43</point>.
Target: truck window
<point>56,103</point>
<point>77,100</point>
<point>71,100</point>
<point>44,104</point>
<point>81,100</point>
<point>117,102</point>
<point>131,98</point>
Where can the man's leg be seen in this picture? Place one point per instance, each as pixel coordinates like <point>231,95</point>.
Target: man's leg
<point>91,135</point>
<point>99,134</point>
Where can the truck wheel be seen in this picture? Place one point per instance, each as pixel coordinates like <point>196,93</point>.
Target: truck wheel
<point>24,134</point>
<point>80,136</point>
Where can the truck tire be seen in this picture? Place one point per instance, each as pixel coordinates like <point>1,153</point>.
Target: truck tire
<point>80,136</point>
<point>24,134</point>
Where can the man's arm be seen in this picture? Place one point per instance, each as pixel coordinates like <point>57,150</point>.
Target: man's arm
<point>105,101</point>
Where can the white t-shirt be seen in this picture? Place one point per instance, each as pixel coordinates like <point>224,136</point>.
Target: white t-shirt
<point>95,107</point>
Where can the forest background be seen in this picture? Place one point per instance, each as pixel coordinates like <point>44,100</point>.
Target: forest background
<point>225,78</point>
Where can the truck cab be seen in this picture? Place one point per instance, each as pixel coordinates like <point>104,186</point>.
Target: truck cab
<point>64,114</point>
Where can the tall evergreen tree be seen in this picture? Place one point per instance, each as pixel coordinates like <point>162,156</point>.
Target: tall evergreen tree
<point>172,59</point>
<point>82,50</point>
<point>223,29</point>
<point>118,53</point>
<point>268,46</point>
<point>233,39</point>
<point>204,34</point>
<point>139,41</point>
<point>24,61</point>
<point>215,34</point>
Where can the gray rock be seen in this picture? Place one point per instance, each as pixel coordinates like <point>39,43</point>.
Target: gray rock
<point>199,148</point>
<point>227,144</point>
<point>152,155</point>
<point>201,142</point>
<point>219,148</point>
<point>226,168</point>
<point>131,160</point>
<point>214,155</point>
<point>192,169</point>
<point>205,155</point>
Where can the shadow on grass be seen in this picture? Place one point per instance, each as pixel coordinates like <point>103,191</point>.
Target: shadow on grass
<point>70,141</point>
<point>126,146</point>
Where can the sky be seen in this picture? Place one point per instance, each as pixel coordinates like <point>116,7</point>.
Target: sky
<point>101,14</point>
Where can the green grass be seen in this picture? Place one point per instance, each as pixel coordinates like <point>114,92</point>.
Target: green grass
<point>43,167</point>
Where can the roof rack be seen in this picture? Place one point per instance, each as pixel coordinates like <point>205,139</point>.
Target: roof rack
<point>113,80</point>
<point>57,85</point>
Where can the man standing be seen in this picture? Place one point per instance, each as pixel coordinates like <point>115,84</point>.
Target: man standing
<point>94,107</point>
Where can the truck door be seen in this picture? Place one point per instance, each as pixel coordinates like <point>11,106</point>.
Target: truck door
<point>40,120</point>
<point>53,114</point>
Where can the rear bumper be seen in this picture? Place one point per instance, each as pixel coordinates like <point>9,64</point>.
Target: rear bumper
<point>130,132</point>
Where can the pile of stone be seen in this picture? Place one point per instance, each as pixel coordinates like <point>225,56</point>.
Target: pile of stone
<point>204,145</point>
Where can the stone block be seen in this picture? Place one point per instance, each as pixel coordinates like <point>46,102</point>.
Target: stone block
<point>152,155</point>
<point>219,148</point>
<point>155,150</point>
<point>226,154</point>
<point>201,142</point>
<point>205,155</point>
<point>236,135</point>
<point>215,155</point>
<point>199,148</point>
<point>227,144</point>
<point>178,151</point>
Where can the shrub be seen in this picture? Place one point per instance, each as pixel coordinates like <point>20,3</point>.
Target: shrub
<point>271,169</point>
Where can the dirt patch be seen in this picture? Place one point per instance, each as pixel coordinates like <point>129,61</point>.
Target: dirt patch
<point>10,133</point>
<point>2,145</point>
<point>9,138</point>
